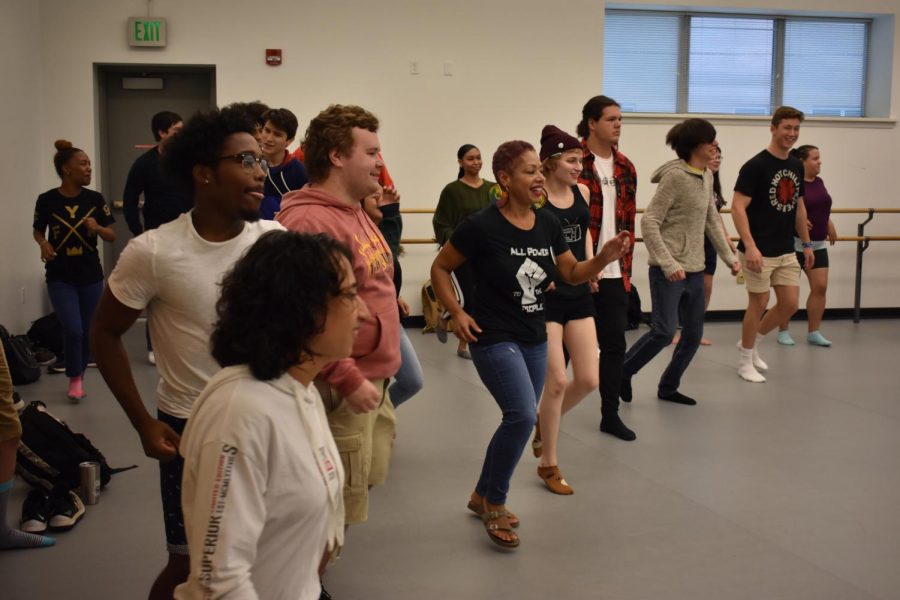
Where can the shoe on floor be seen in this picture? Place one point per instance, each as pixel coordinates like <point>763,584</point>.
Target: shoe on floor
<point>66,509</point>
<point>785,339</point>
<point>18,403</point>
<point>151,358</point>
<point>613,425</point>
<point>554,480</point>
<point>817,339</point>
<point>57,367</point>
<point>35,511</point>
<point>44,357</point>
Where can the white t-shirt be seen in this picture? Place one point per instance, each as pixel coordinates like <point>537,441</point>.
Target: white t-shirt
<point>262,489</point>
<point>605,174</point>
<point>175,274</point>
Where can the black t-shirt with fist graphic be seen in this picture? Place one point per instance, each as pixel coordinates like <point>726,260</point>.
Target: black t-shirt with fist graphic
<point>774,187</point>
<point>77,261</point>
<point>513,268</point>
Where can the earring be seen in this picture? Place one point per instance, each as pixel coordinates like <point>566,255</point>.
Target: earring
<point>206,181</point>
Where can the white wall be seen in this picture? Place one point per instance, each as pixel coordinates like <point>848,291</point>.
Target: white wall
<point>24,156</point>
<point>518,64</point>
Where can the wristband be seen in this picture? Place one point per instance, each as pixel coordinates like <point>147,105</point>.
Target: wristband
<point>807,245</point>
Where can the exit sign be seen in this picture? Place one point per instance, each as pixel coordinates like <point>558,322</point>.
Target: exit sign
<point>146,31</point>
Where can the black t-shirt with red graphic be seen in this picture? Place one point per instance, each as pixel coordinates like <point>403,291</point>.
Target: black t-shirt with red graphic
<point>513,268</point>
<point>77,261</point>
<point>774,187</point>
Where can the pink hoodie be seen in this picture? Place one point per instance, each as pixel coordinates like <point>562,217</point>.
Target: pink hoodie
<point>376,353</point>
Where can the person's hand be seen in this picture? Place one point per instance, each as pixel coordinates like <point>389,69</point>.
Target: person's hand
<point>594,282</point>
<point>809,225</point>
<point>91,224</point>
<point>753,258</point>
<point>365,398</point>
<point>159,440</point>
<point>47,251</point>
<point>465,327</point>
<point>735,268</point>
<point>678,275</point>
<point>615,248</point>
<point>389,195</point>
<point>809,258</point>
<point>403,306</point>
<point>832,233</point>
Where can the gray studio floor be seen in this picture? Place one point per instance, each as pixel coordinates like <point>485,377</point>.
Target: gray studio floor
<point>783,490</point>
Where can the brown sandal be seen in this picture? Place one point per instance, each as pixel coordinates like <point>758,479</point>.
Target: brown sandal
<point>536,445</point>
<point>554,480</point>
<point>494,522</point>
<point>477,507</point>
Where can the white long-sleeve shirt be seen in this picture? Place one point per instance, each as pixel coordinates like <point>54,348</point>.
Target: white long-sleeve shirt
<point>262,489</point>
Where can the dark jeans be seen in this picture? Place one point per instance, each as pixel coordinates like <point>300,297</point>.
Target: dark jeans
<point>671,300</point>
<point>611,305</point>
<point>75,306</point>
<point>514,375</point>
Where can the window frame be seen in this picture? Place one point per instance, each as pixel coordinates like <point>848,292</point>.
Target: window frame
<point>778,53</point>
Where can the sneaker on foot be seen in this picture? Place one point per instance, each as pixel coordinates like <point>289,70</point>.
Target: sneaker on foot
<point>817,339</point>
<point>613,425</point>
<point>678,398</point>
<point>749,373</point>
<point>35,512</point>
<point>151,358</point>
<point>785,339</point>
<point>66,509</point>
<point>625,389</point>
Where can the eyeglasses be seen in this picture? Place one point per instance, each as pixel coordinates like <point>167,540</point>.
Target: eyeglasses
<point>247,160</point>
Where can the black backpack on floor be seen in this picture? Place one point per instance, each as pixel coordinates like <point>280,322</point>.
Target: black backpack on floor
<point>50,453</point>
<point>23,368</point>
<point>47,333</point>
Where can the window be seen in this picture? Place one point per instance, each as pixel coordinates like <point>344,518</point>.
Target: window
<point>673,62</point>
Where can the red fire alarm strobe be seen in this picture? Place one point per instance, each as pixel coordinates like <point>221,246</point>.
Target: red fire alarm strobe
<point>273,57</point>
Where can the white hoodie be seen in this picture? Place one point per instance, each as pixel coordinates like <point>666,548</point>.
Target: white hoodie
<point>262,489</point>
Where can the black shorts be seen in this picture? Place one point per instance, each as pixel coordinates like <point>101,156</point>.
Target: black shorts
<point>710,256</point>
<point>170,488</point>
<point>562,309</point>
<point>821,259</point>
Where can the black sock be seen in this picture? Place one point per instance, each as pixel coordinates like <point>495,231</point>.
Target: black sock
<point>625,389</point>
<point>677,397</point>
<point>613,425</point>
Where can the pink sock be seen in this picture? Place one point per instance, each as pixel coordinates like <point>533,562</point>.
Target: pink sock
<point>76,388</point>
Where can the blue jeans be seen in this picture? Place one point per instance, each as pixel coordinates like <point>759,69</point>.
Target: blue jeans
<point>75,306</point>
<point>671,300</point>
<point>408,380</point>
<point>514,375</point>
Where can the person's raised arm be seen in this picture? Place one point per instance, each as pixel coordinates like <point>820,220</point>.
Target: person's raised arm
<point>109,324</point>
<point>574,272</point>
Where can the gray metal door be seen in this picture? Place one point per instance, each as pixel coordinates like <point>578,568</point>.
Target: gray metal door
<point>125,111</point>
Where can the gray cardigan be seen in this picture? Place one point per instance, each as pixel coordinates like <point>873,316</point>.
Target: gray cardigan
<point>682,209</point>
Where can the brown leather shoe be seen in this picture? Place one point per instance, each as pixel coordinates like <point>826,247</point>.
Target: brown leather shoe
<point>554,480</point>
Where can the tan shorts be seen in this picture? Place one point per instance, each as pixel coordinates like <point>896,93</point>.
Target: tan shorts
<point>365,443</point>
<point>10,428</point>
<point>777,270</point>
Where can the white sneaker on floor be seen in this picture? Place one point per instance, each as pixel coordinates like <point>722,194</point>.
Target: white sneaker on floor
<point>151,358</point>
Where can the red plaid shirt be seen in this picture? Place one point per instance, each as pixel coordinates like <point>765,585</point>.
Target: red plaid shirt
<point>626,187</point>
